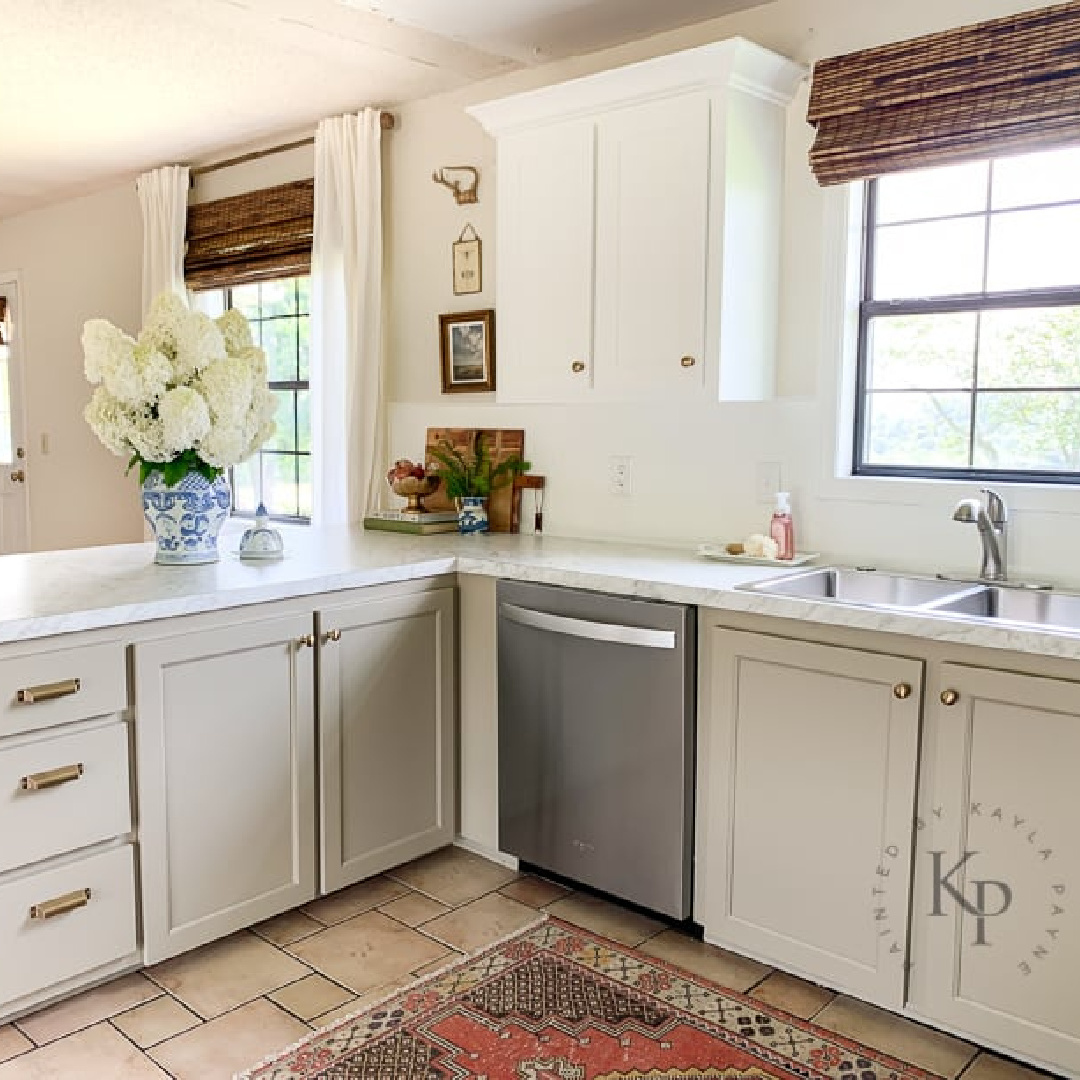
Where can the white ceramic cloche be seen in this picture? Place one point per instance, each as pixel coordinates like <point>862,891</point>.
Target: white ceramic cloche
<point>262,541</point>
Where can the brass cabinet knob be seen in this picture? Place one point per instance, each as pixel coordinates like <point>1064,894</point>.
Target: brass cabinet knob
<point>332,635</point>
<point>902,690</point>
<point>306,642</point>
<point>19,476</point>
<point>577,367</point>
<point>950,697</point>
<point>688,361</point>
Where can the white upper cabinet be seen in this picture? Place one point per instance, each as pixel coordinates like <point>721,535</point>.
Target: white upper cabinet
<point>638,240</point>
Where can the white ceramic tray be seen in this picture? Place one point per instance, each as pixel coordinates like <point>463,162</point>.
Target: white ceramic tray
<point>718,552</point>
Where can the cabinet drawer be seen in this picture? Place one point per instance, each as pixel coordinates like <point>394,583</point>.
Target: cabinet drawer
<point>40,952</point>
<point>55,687</point>
<point>63,792</point>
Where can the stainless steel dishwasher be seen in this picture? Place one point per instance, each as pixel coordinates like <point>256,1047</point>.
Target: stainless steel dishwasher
<point>596,740</point>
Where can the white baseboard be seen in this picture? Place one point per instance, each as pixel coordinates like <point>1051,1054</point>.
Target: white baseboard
<point>509,861</point>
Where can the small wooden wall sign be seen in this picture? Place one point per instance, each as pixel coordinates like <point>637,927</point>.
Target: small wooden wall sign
<point>468,265</point>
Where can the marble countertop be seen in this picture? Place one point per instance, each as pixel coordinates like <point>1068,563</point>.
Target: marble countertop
<point>55,592</point>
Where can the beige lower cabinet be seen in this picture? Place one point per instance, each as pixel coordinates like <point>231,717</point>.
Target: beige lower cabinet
<point>996,920</point>
<point>226,778</point>
<point>806,793</point>
<point>386,733</point>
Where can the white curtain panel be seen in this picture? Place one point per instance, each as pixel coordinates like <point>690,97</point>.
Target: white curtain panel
<point>348,414</point>
<point>163,196</point>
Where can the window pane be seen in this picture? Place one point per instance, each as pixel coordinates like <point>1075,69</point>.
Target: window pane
<point>303,329</point>
<point>918,430</point>
<point>210,302</point>
<point>956,189</point>
<point>279,341</point>
<point>1037,178</point>
<point>1033,431</point>
<point>1032,249</point>
<point>279,484</point>
<point>936,259</point>
<point>303,421</point>
<point>303,296</point>
<point>278,297</point>
<point>285,435</point>
<point>304,464</point>
<point>922,352</point>
<point>245,490</point>
<point>245,298</point>
<point>1030,347</point>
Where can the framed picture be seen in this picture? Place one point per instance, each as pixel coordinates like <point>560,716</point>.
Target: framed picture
<point>467,344</point>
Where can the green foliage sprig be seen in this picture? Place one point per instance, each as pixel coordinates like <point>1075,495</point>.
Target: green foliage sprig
<point>474,473</point>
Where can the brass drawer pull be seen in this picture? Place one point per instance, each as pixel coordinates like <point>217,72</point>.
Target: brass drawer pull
<point>950,697</point>
<point>902,691</point>
<point>577,367</point>
<point>52,778</point>
<point>61,905</point>
<point>688,361</point>
<point>333,635</point>
<point>48,691</point>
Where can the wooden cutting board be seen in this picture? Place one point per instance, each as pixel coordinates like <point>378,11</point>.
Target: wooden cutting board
<point>502,443</point>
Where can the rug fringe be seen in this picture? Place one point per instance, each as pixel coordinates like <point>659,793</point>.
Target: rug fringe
<point>420,980</point>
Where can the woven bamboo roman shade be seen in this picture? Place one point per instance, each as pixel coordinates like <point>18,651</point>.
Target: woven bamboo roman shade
<point>252,237</point>
<point>999,87</point>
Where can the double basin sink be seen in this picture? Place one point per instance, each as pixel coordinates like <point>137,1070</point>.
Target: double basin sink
<point>1035,607</point>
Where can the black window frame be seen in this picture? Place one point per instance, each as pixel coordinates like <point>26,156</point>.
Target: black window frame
<point>977,303</point>
<point>279,384</point>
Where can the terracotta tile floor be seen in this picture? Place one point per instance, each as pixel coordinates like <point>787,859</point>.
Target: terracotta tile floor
<point>219,1009</point>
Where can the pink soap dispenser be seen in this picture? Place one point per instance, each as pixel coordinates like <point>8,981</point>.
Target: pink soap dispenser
<point>781,528</point>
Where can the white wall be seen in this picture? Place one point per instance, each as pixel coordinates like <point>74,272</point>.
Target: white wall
<point>77,260</point>
<point>694,469</point>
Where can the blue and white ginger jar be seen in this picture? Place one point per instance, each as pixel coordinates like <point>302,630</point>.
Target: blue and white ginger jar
<point>187,517</point>
<point>472,514</point>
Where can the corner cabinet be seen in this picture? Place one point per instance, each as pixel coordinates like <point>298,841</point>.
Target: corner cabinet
<point>386,733</point>
<point>806,795</point>
<point>287,754</point>
<point>638,239</point>
<point>995,940</point>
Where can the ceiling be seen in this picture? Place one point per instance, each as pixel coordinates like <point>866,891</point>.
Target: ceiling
<point>92,91</point>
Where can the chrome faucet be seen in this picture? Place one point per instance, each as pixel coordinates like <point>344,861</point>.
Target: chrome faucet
<point>992,521</point>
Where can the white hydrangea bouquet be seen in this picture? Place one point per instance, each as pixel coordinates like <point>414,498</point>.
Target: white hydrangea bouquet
<point>184,400</point>
<point>188,395</point>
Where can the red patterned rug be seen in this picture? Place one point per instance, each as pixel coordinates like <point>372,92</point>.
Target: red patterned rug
<point>559,1003</point>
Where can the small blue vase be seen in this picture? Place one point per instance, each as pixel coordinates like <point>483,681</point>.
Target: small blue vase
<point>187,517</point>
<point>472,514</point>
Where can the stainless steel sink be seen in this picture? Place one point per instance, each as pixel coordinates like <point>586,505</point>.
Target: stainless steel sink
<point>869,587</point>
<point>1038,607</point>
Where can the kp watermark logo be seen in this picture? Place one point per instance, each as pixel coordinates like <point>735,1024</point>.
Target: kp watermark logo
<point>970,882</point>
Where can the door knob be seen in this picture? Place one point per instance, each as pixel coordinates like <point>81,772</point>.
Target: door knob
<point>902,691</point>
<point>19,476</point>
<point>950,697</point>
<point>577,367</point>
<point>306,642</point>
<point>332,635</point>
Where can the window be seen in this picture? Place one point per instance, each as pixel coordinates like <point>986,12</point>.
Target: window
<point>279,475</point>
<point>969,327</point>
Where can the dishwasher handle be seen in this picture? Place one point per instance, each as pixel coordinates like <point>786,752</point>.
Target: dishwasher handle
<point>592,631</point>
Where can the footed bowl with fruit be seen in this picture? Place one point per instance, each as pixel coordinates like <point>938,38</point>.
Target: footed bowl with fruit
<point>411,482</point>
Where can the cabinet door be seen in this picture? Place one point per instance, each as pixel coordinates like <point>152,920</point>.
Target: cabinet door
<point>807,766</point>
<point>386,733</point>
<point>652,244</point>
<point>996,948</point>
<point>546,219</point>
<point>225,733</point>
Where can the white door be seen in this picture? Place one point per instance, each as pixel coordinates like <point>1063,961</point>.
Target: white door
<point>14,504</point>
<point>225,744</point>
<point>807,762</point>
<point>546,214</point>
<point>386,733</point>
<point>996,922</point>
<point>652,249</point>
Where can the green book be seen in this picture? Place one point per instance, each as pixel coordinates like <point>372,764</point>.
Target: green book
<point>416,528</point>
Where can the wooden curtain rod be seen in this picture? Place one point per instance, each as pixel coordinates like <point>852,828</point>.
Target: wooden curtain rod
<point>386,122</point>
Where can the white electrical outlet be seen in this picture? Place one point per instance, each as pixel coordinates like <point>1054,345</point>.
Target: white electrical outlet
<point>620,475</point>
<point>767,481</point>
